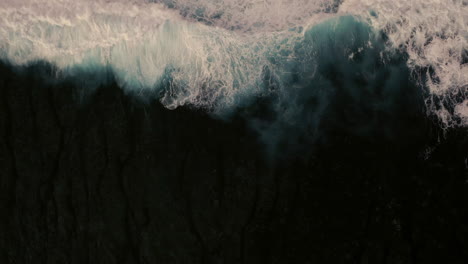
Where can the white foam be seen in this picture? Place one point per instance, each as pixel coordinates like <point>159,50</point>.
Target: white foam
<point>461,110</point>
<point>221,58</point>
<point>253,15</point>
<point>434,33</point>
<point>139,41</point>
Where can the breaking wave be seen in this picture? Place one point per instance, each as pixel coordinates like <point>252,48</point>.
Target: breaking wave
<point>223,56</point>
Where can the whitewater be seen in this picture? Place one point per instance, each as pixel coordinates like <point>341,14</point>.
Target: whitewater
<point>219,55</point>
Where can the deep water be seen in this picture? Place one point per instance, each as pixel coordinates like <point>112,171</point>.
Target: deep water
<point>359,172</point>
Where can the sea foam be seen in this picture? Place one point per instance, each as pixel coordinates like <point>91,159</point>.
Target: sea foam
<point>216,54</point>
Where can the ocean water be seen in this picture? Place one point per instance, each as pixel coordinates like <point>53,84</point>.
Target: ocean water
<point>292,68</point>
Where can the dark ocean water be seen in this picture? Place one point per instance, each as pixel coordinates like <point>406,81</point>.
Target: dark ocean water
<point>143,133</point>
<point>112,179</point>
